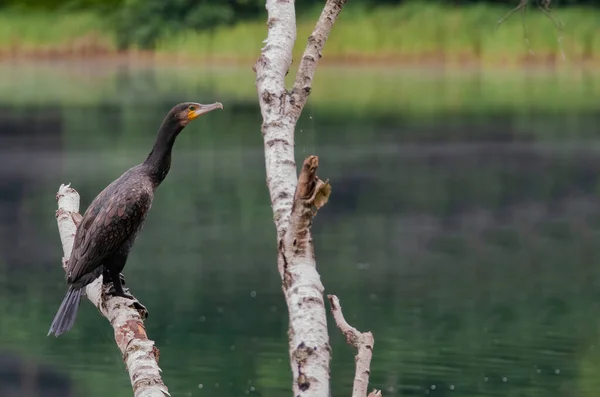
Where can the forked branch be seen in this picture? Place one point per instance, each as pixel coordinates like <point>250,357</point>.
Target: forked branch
<point>296,200</point>
<point>139,353</point>
<point>544,6</point>
<point>363,343</point>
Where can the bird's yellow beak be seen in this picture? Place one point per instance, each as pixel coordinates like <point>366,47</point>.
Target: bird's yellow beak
<point>201,109</point>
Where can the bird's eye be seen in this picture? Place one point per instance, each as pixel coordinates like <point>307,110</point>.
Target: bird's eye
<point>192,107</point>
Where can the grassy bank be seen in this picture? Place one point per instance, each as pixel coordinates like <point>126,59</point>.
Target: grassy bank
<point>408,32</point>
<point>39,33</point>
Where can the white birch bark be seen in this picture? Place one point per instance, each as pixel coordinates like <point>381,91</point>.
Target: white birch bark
<point>292,200</point>
<point>139,353</point>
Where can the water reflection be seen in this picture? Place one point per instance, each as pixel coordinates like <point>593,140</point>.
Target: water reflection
<point>22,377</point>
<point>466,243</point>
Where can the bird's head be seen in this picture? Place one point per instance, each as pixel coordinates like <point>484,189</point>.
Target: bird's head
<point>185,112</point>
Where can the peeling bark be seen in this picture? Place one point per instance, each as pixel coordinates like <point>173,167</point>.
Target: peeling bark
<point>139,353</point>
<point>309,340</point>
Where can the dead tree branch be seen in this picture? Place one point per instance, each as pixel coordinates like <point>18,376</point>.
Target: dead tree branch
<point>312,54</point>
<point>310,352</point>
<point>139,353</point>
<point>544,6</point>
<point>363,343</point>
<point>295,201</point>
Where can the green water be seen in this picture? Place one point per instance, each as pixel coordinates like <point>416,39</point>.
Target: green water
<point>462,229</point>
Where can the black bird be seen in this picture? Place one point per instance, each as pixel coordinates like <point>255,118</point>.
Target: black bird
<point>111,223</point>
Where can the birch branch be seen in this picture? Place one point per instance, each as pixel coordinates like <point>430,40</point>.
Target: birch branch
<point>278,126</point>
<point>296,201</point>
<point>313,52</point>
<point>363,343</point>
<point>280,110</point>
<point>139,353</point>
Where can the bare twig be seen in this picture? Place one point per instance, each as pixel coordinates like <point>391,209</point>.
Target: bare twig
<point>521,7</point>
<point>544,6</point>
<point>139,353</point>
<point>313,52</point>
<point>363,343</point>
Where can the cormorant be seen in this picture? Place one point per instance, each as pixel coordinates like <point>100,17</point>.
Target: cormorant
<point>111,223</point>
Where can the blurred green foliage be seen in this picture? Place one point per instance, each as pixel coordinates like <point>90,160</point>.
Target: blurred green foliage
<point>142,23</point>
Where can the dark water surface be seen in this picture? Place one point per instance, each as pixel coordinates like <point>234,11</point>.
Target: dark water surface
<point>464,233</point>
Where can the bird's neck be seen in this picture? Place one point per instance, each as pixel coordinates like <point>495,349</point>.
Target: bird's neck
<point>158,161</point>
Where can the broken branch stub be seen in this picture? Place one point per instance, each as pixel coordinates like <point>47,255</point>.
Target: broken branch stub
<point>310,190</point>
<point>139,353</point>
<point>311,195</point>
<point>363,343</point>
<point>310,351</point>
<point>375,393</point>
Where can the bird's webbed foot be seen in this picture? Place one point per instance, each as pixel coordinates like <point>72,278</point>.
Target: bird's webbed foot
<point>116,289</point>
<point>124,292</point>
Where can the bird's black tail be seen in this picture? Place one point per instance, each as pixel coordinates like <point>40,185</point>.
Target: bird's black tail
<point>67,312</point>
